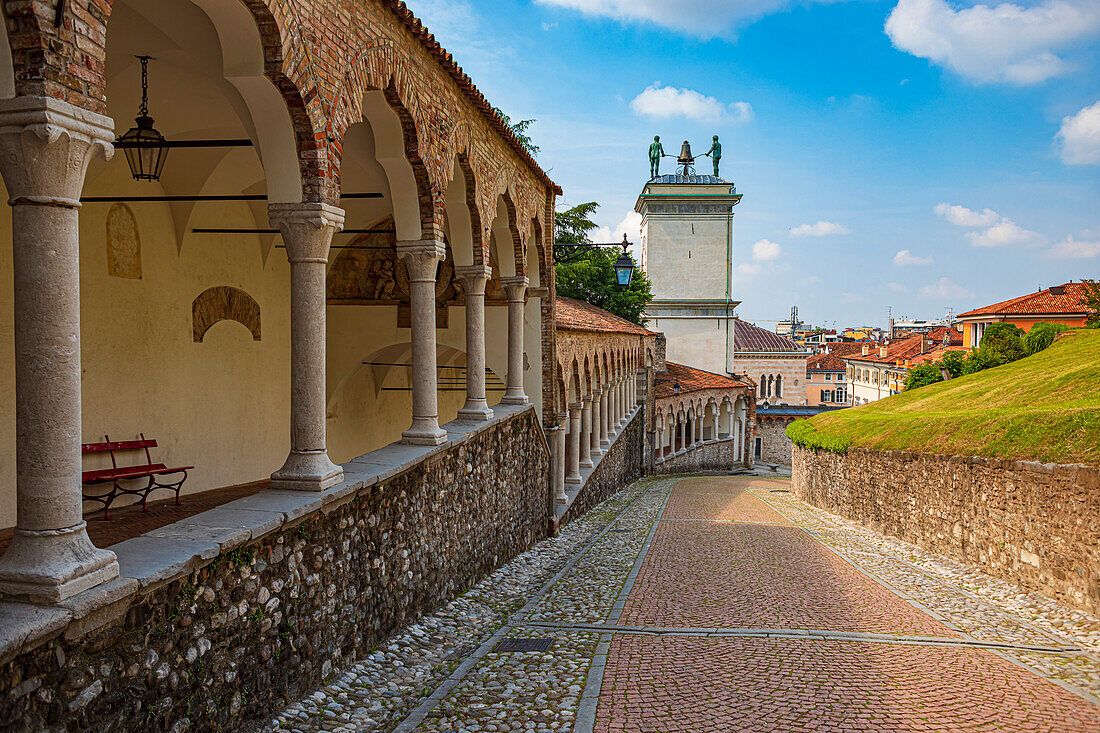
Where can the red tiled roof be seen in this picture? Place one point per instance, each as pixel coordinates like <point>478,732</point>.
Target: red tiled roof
<point>844,348</point>
<point>421,33</point>
<point>1043,303</point>
<point>910,347</point>
<point>576,315</point>
<point>826,362</point>
<point>690,379</point>
<point>935,354</point>
<point>747,337</point>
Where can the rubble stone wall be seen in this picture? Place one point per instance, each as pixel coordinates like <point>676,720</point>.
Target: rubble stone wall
<point>777,446</point>
<point>259,626</point>
<point>715,456</point>
<point>1034,524</point>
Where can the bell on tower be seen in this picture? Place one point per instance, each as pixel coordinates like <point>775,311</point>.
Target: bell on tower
<point>686,159</point>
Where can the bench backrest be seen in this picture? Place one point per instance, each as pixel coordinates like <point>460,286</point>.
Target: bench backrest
<point>110,446</point>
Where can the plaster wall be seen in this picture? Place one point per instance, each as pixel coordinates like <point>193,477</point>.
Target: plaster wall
<point>700,342</point>
<point>687,258</point>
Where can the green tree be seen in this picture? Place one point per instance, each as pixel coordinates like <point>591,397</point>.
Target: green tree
<point>922,375</point>
<point>954,362</point>
<point>519,129</point>
<point>591,277</point>
<point>1092,300</point>
<point>1041,336</point>
<point>1002,343</point>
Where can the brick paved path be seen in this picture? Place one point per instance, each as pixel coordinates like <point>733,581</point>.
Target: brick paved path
<point>723,604</point>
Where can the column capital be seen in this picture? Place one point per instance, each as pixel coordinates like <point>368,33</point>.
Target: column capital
<point>421,257</point>
<point>586,400</point>
<point>575,406</point>
<point>516,286</point>
<point>46,146</point>
<point>474,278</point>
<point>306,228</point>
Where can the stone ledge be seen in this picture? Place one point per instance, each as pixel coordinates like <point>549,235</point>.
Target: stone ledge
<point>170,552</point>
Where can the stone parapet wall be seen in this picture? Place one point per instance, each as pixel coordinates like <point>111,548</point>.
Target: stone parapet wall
<point>1034,524</point>
<point>226,640</point>
<point>713,456</point>
<point>621,465</point>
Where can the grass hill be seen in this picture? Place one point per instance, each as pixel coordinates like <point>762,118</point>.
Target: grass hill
<point>1045,407</point>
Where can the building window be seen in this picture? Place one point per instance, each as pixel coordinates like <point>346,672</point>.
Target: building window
<point>759,446</point>
<point>828,377</point>
<point>763,386</point>
<point>779,385</point>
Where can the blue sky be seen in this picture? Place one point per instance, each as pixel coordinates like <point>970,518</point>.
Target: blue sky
<point>914,154</point>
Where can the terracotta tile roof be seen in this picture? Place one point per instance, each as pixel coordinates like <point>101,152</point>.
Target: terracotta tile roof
<point>747,337</point>
<point>576,315</point>
<point>844,348</point>
<point>826,362</point>
<point>421,33</point>
<point>935,354</point>
<point>1068,299</point>
<point>690,379</point>
<point>910,347</point>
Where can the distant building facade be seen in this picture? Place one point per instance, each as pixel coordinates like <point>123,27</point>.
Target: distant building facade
<point>826,380</point>
<point>1064,304</point>
<point>879,371</point>
<point>777,365</point>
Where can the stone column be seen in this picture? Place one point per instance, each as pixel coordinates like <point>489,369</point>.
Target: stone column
<point>517,289</point>
<point>594,434</point>
<point>622,402</point>
<point>604,419</point>
<point>586,432</point>
<point>46,148</point>
<point>559,462</point>
<point>473,285</point>
<point>421,259</point>
<point>307,231</point>
<point>573,466</point>
<point>659,446</point>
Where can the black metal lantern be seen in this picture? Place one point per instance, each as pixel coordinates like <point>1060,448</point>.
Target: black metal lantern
<point>624,267</point>
<point>676,387</point>
<point>144,146</point>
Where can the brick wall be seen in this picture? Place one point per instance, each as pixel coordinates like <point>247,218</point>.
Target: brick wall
<point>258,627</point>
<point>1029,523</point>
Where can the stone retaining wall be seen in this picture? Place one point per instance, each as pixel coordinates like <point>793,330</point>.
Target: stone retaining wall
<point>715,456</point>
<point>256,627</point>
<point>1034,524</point>
<point>622,465</point>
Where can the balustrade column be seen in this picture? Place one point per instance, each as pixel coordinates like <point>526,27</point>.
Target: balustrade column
<point>559,461</point>
<point>307,230</point>
<point>517,289</point>
<point>659,444</point>
<point>45,148</point>
<point>605,419</point>
<point>422,259</point>
<point>622,402</point>
<point>474,278</point>
<point>594,435</point>
<point>574,453</point>
<point>586,432</point>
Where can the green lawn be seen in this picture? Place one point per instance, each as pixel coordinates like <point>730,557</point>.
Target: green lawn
<point>1045,407</point>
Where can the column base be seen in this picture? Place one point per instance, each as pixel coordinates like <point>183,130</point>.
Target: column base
<point>605,444</point>
<point>476,410</point>
<point>513,399</point>
<point>425,434</point>
<point>562,500</point>
<point>596,453</point>
<point>587,463</point>
<point>50,566</point>
<point>307,471</point>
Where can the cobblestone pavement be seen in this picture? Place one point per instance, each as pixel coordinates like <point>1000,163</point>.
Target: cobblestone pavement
<point>724,604</point>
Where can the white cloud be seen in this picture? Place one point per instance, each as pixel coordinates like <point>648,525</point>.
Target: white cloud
<point>549,26</point>
<point>1080,137</point>
<point>1071,249</point>
<point>896,287</point>
<point>766,250</point>
<point>1002,43</point>
<point>1002,233</point>
<point>631,226</point>
<point>662,102</point>
<point>704,18</point>
<point>946,290</point>
<point>964,217</point>
<point>810,281</point>
<point>850,298</point>
<point>905,258</point>
<point>998,230</point>
<point>820,229</point>
<point>750,268</point>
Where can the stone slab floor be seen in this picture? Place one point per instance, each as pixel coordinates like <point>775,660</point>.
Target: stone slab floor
<point>723,604</point>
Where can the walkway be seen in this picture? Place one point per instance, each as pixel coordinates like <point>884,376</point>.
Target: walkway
<point>722,604</point>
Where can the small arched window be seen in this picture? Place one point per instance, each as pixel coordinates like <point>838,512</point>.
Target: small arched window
<point>779,385</point>
<point>763,386</point>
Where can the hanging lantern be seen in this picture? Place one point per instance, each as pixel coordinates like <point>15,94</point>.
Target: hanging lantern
<point>624,267</point>
<point>144,146</point>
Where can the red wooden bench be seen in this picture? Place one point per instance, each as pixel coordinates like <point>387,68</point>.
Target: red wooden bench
<point>116,474</point>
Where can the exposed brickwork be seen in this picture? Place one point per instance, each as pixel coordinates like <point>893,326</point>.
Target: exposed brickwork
<point>1032,524</point>
<point>261,626</point>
